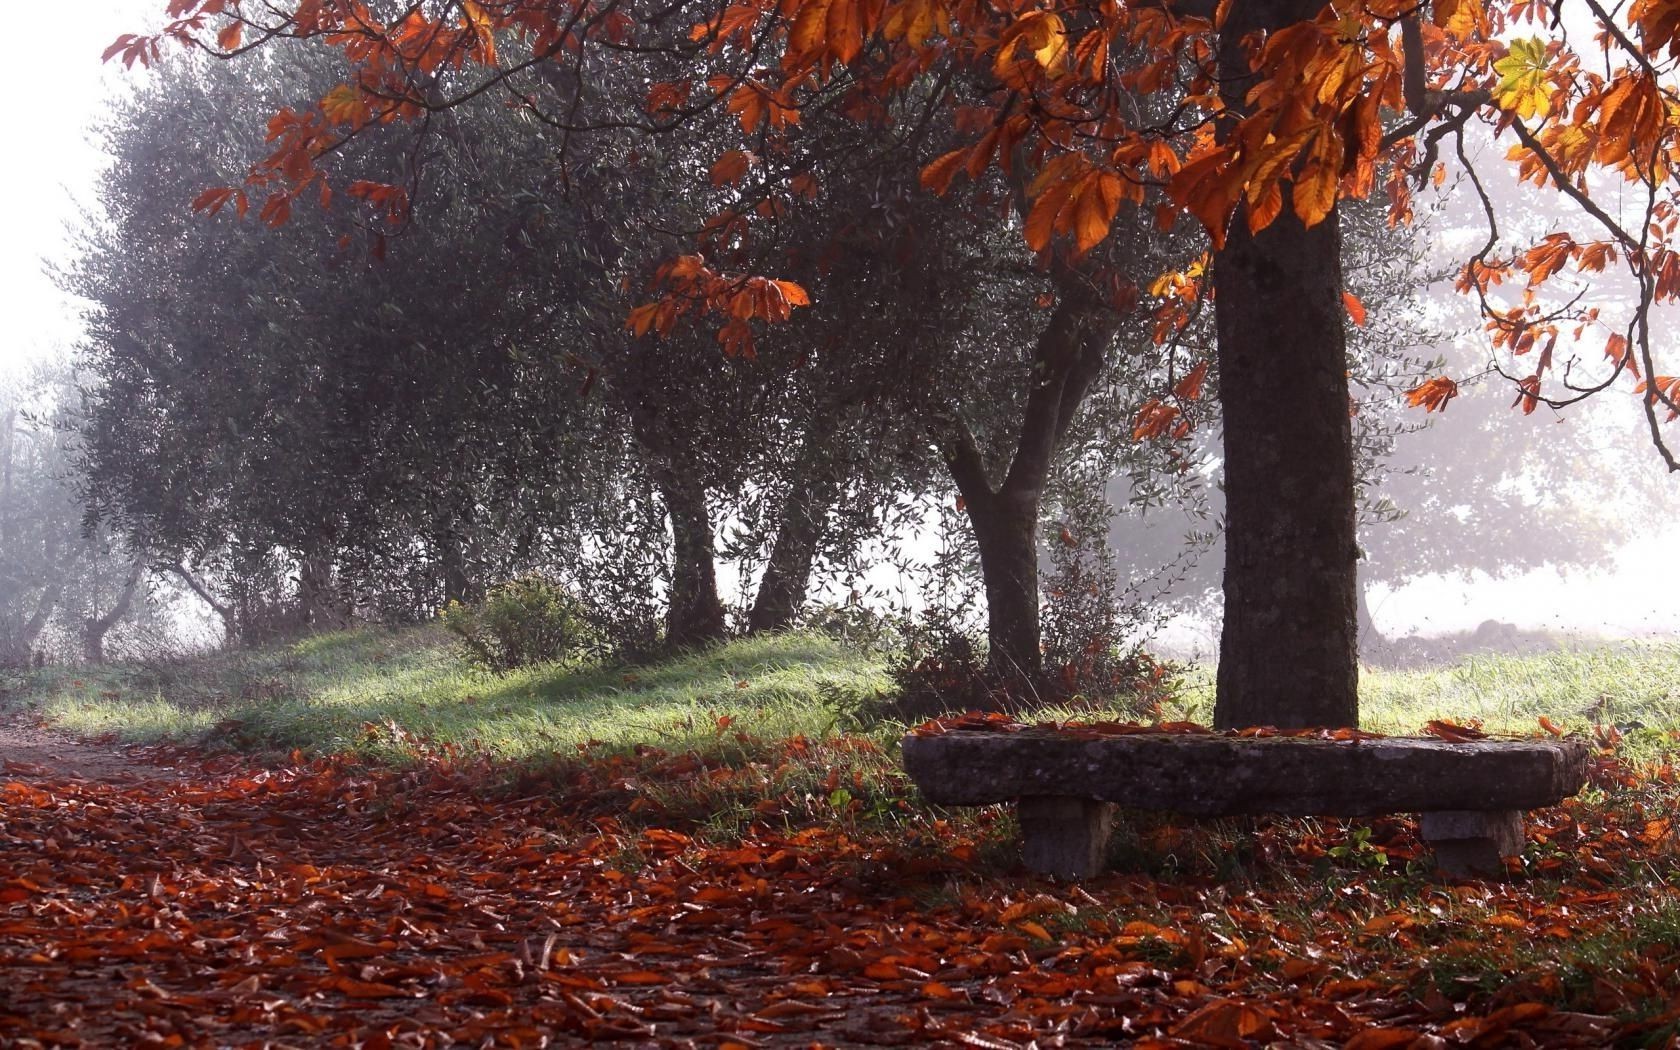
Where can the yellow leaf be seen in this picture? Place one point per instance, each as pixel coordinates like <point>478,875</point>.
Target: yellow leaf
<point>1524,86</point>
<point>1460,18</point>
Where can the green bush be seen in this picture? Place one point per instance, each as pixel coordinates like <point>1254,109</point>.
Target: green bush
<point>529,620</point>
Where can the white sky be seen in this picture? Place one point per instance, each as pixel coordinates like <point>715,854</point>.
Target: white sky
<point>61,90</point>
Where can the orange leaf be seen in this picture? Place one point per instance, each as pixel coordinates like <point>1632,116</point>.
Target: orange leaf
<point>231,36</point>
<point>1433,394</point>
<point>1382,1039</point>
<point>1550,726</point>
<point>1452,732</point>
<point>731,167</point>
<point>1189,388</point>
<point>1355,309</point>
<point>1224,1023</point>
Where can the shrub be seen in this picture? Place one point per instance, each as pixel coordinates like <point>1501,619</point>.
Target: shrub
<point>525,621</point>
<point>939,667</point>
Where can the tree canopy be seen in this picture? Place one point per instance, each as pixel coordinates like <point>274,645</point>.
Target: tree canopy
<point>1255,117</point>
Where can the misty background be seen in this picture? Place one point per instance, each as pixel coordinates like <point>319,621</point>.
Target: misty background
<point>1570,530</point>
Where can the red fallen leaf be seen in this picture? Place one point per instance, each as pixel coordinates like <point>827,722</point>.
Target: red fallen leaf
<point>1382,1039</point>
<point>992,721</point>
<point>369,989</point>
<point>1180,727</point>
<point>1352,733</point>
<point>935,990</point>
<point>1453,732</point>
<point>1550,726</point>
<point>640,977</point>
<point>1224,1023</point>
<point>793,1008</point>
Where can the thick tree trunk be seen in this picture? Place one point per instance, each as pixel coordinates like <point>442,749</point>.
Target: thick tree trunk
<point>1288,653</point>
<point>787,575</point>
<point>696,615</point>
<point>1067,359</point>
<point>95,628</point>
<point>1006,531</point>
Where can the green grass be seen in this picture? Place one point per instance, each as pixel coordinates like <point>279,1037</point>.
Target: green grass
<point>382,693</point>
<point>1615,683</point>
<point>388,692</point>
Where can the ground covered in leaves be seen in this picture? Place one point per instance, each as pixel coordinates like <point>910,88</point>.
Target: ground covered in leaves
<point>790,893</point>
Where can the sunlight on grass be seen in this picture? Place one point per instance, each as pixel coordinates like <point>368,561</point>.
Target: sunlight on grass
<point>1631,684</point>
<point>393,692</point>
<point>138,720</point>
<point>385,692</point>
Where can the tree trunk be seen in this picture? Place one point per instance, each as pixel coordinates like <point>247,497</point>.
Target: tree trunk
<point>787,575</point>
<point>696,615</point>
<point>1371,639</point>
<point>459,584</point>
<point>18,649</point>
<point>1067,358</point>
<point>319,604</point>
<point>1288,652</point>
<point>95,628</point>
<point>227,613</point>
<point>1006,532</point>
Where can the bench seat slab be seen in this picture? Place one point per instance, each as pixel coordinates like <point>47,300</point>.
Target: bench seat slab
<point>1215,775</point>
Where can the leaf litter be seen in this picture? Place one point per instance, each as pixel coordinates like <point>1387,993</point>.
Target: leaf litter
<point>334,903</point>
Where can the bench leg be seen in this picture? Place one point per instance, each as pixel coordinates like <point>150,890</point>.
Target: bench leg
<point>1063,835</point>
<point>1473,842</point>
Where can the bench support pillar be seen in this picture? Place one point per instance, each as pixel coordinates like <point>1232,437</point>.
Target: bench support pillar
<point>1473,842</point>
<point>1064,835</point>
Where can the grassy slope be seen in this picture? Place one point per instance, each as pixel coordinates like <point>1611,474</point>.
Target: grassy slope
<point>378,692</point>
<point>381,691</point>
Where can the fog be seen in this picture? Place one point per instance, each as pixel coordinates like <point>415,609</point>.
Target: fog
<point>1585,525</point>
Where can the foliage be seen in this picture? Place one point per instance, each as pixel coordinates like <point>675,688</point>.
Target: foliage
<point>524,622</point>
<point>64,586</point>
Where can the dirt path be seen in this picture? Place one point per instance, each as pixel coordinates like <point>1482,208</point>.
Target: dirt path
<point>29,752</point>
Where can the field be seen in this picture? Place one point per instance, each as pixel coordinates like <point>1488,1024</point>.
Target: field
<point>363,840</point>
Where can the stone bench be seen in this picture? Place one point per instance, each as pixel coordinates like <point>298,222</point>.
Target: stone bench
<point>1067,783</point>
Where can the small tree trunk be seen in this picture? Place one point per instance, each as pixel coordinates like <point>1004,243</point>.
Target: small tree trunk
<point>95,628</point>
<point>1067,358</point>
<point>1371,639</point>
<point>787,575</point>
<point>223,610</point>
<point>459,582</point>
<point>319,605</point>
<point>18,649</point>
<point>696,616</point>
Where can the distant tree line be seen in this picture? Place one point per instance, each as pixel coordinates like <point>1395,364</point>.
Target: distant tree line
<point>382,406</point>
